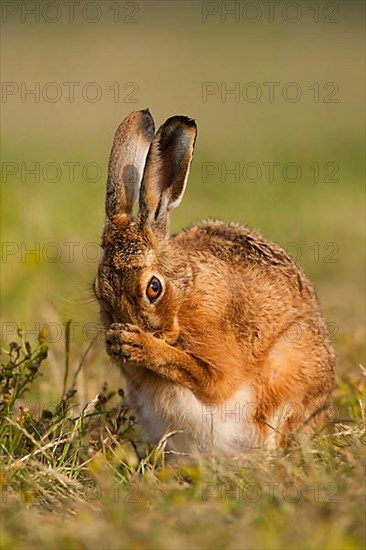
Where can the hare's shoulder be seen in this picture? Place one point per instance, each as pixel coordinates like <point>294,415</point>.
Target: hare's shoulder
<point>233,241</point>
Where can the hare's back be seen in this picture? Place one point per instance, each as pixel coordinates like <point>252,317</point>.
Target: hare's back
<point>235,243</point>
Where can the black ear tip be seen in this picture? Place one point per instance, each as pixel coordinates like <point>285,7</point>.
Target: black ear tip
<point>181,120</point>
<point>187,121</point>
<point>148,123</point>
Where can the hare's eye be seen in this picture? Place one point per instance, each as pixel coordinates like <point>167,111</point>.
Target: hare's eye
<point>154,289</point>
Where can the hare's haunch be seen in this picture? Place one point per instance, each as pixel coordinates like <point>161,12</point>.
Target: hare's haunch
<point>217,330</point>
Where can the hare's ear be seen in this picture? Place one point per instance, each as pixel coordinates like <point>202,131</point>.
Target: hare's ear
<point>166,170</point>
<point>127,160</point>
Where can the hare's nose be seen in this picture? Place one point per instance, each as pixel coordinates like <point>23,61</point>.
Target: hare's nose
<point>121,318</point>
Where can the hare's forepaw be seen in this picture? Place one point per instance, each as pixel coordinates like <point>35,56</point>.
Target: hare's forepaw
<point>128,342</point>
<point>113,340</point>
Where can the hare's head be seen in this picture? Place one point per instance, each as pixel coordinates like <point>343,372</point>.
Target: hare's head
<point>141,276</point>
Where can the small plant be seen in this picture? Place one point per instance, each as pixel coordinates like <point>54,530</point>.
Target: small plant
<point>19,371</point>
<point>62,442</point>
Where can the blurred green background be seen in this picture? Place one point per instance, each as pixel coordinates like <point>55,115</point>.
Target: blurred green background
<point>160,55</point>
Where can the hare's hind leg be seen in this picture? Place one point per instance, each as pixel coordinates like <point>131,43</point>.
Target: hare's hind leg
<point>295,385</point>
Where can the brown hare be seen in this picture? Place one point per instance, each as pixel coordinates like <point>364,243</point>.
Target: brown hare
<point>217,330</point>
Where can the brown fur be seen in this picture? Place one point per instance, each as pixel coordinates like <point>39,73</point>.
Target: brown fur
<point>236,309</point>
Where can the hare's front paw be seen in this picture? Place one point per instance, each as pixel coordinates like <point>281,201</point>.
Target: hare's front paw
<point>113,340</point>
<point>128,342</point>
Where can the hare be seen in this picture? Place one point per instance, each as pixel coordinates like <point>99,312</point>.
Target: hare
<point>216,329</point>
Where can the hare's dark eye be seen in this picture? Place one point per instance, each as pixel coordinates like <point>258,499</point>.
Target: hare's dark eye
<point>154,289</point>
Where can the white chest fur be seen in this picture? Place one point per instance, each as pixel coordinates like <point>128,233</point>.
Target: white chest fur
<point>227,427</point>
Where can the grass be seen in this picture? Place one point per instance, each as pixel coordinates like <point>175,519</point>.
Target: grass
<point>74,478</point>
